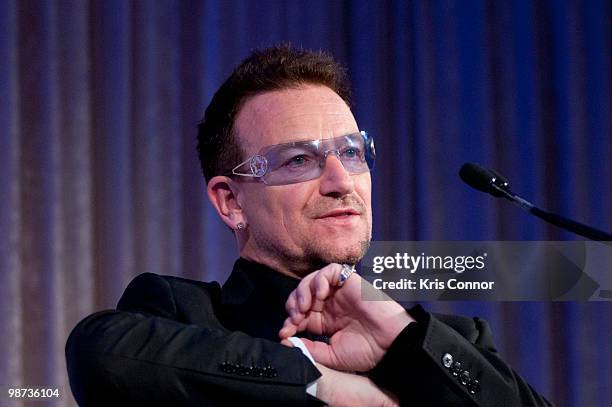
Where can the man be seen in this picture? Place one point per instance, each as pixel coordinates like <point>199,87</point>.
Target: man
<point>287,170</point>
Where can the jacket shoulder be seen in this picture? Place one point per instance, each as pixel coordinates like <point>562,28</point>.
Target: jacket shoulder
<point>170,297</point>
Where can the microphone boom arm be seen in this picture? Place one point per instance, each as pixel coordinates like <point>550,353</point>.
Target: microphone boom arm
<point>557,220</point>
<point>492,182</point>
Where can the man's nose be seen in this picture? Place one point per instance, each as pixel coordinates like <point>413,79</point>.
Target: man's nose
<point>335,180</point>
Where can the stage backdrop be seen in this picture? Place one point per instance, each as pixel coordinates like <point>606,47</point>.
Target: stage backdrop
<point>99,179</point>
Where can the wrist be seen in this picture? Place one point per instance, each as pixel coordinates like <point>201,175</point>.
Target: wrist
<point>387,318</point>
<point>397,323</point>
<point>390,323</point>
<point>342,389</point>
<point>325,386</point>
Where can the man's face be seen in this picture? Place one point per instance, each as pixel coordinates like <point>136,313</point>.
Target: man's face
<point>300,227</point>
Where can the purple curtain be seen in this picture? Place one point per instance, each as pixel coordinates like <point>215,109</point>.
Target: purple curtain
<point>99,179</point>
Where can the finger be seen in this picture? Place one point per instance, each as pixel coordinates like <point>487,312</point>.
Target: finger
<point>336,278</point>
<point>325,278</point>
<point>304,294</point>
<point>290,327</point>
<point>295,314</point>
<point>332,274</point>
<point>288,330</point>
<point>292,310</point>
<point>291,303</point>
<point>303,325</point>
<point>287,343</point>
<point>297,318</point>
<point>321,288</point>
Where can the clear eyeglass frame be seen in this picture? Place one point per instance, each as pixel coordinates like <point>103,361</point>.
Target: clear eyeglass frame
<point>299,161</point>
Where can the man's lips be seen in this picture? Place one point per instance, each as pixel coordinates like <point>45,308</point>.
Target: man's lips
<point>338,213</point>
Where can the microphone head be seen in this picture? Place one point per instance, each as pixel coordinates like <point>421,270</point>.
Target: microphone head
<point>483,179</point>
<point>500,180</point>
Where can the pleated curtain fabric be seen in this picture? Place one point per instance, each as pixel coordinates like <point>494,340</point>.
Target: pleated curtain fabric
<point>99,178</point>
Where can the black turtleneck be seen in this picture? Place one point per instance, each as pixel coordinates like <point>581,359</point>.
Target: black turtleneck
<point>253,299</point>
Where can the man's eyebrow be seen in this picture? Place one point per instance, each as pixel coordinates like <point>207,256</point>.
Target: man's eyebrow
<point>302,147</point>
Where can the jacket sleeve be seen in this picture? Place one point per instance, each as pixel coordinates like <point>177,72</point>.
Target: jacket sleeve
<point>142,354</point>
<point>451,363</point>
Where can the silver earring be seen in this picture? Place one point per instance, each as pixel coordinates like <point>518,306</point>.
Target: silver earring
<point>240,226</point>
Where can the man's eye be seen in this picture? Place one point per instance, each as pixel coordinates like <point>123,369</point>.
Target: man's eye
<point>297,160</point>
<point>351,152</point>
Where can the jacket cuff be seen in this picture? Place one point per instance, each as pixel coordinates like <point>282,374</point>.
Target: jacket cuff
<point>391,372</point>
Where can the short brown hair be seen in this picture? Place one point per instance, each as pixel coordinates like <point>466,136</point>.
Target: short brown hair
<point>274,68</point>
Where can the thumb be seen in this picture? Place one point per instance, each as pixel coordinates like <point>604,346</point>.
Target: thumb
<point>321,352</point>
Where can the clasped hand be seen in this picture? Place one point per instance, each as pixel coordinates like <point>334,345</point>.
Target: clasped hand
<point>360,331</point>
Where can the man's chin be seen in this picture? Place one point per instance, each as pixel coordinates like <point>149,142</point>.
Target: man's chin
<point>337,253</point>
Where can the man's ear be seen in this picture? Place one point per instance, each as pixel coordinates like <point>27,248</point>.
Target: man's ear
<point>224,200</point>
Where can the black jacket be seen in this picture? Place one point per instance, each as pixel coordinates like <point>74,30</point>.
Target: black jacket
<point>174,341</point>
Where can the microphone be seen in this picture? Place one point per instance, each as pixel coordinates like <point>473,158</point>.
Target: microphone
<point>483,179</point>
<point>491,182</point>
